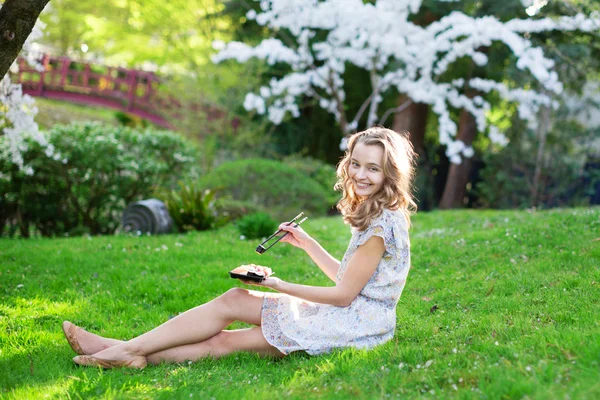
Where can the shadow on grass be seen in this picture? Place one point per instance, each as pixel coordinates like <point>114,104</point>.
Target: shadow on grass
<point>36,367</point>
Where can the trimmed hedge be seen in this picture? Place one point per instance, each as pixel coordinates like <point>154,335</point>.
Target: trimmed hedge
<point>318,170</point>
<point>277,188</point>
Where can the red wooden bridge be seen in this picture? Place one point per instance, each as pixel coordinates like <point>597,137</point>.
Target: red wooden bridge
<point>128,90</point>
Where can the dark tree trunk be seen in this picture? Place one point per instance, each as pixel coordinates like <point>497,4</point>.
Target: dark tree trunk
<point>23,225</point>
<point>414,120</point>
<point>17,18</point>
<point>458,175</point>
<point>542,133</point>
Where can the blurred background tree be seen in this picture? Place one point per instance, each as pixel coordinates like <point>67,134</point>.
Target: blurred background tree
<point>576,55</point>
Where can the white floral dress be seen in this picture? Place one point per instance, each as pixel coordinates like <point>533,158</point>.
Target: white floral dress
<point>291,324</point>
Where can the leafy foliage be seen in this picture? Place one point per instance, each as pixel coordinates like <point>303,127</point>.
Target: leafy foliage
<point>233,210</point>
<point>175,32</point>
<point>281,190</point>
<point>130,120</point>
<point>318,170</point>
<point>96,172</point>
<point>256,226</point>
<point>191,208</point>
<point>569,170</point>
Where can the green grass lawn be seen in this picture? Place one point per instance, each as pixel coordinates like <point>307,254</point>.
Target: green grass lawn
<point>497,305</point>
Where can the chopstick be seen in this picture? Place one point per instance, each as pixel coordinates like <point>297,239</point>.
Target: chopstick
<point>279,230</point>
<point>261,248</point>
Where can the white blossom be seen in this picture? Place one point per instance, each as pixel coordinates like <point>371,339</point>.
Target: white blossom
<point>18,110</point>
<point>468,152</point>
<point>454,148</point>
<point>254,102</point>
<point>251,15</point>
<point>496,137</point>
<point>344,144</point>
<point>381,39</point>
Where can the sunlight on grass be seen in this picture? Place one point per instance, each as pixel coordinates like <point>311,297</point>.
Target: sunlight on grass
<point>45,391</point>
<point>21,321</point>
<point>179,370</point>
<point>39,308</point>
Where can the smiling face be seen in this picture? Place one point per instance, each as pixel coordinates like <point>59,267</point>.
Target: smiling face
<point>366,169</point>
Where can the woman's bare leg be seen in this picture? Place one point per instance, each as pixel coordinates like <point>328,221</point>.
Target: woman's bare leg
<point>223,343</point>
<point>193,326</point>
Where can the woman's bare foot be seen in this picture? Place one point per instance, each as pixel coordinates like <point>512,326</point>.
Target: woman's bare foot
<point>84,342</point>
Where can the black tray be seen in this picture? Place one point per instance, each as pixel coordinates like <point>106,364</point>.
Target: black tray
<point>253,278</point>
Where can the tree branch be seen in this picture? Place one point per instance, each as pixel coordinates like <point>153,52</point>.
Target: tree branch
<point>398,109</point>
<point>570,61</point>
<point>363,107</point>
<point>17,19</point>
<point>314,88</point>
<point>370,100</point>
<point>340,104</point>
<point>373,107</point>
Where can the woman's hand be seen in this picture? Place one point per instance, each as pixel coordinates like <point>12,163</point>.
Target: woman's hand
<point>296,236</point>
<point>272,283</point>
<point>266,271</point>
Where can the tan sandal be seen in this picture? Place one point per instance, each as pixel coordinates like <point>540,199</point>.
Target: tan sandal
<point>70,331</point>
<point>91,361</point>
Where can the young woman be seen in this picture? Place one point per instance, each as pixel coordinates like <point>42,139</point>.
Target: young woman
<point>359,311</point>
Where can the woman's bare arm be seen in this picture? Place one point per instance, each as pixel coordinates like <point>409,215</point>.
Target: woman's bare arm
<point>298,238</point>
<point>326,262</point>
<point>361,268</point>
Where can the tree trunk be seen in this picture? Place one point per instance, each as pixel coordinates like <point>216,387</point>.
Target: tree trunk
<point>458,175</point>
<point>542,131</point>
<point>17,19</point>
<point>23,225</point>
<point>414,120</point>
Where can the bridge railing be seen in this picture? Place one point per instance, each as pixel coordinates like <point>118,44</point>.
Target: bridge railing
<point>129,90</point>
<point>121,88</point>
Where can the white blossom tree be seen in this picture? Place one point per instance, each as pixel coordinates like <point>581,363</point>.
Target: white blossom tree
<point>380,38</point>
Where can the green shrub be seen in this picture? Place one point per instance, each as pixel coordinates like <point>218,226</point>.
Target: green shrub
<point>96,172</point>
<point>318,170</point>
<point>256,226</point>
<point>277,188</point>
<point>191,208</point>
<point>130,120</point>
<point>233,210</point>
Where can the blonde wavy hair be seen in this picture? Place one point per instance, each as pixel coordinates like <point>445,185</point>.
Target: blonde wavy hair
<point>398,169</point>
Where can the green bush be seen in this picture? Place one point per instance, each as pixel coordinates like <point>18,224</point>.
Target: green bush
<point>232,210</point>
<point>256,226</point>
<point>95,173</point>
<point>318,170</point>
<point>130,120</point>
<point>277,188</point>
<point>191,208</point>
